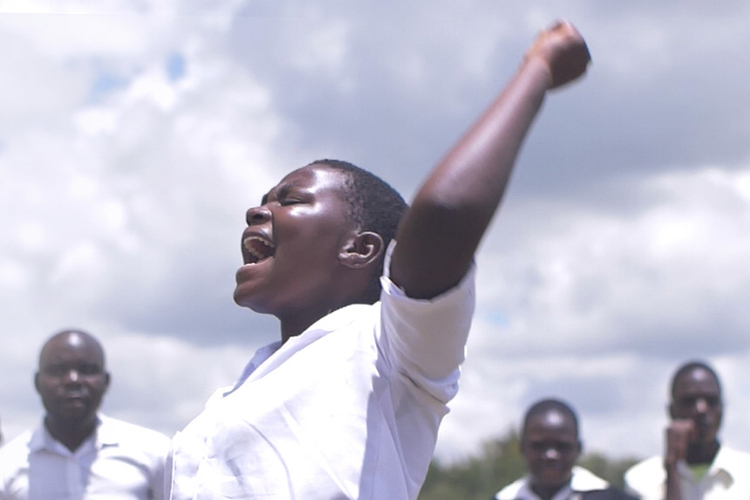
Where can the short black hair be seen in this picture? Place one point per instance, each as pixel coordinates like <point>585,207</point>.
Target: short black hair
<point>374,206</point>
<point>691,366</point>
<point>546,405</point>
<point>74,331</point>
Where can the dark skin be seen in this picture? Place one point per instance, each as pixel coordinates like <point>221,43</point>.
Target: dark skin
<point>437,237</point>
<point>550,446</point>
<point>304,220</point>
<point>71,382</point>
<point>696,411</point>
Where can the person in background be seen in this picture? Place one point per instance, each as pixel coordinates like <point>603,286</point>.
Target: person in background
<point>550,444</point>
<point>76,452</point>
<point>695,464</point>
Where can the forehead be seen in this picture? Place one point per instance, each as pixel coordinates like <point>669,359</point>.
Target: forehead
<point>71,348</point>
<point>552,423</point>
<point>696,381</point>
<point>318,178</point>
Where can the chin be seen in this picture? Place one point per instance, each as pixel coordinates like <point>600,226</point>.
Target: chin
<point>243,295</point>
<point>247,301</point>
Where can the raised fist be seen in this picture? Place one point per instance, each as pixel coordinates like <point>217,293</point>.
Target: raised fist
<point>677,437</point>
<point>564,52</point>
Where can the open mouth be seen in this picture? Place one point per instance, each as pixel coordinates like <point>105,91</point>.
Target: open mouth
<point>257,249</point>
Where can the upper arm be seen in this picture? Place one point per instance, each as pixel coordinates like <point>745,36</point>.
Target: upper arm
<point>426,338</point>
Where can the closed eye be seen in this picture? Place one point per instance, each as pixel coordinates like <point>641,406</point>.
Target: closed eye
<point>287,194</point>
<point>289,201</point>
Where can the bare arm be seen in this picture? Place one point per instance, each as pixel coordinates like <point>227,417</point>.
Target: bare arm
<point>451,211</point>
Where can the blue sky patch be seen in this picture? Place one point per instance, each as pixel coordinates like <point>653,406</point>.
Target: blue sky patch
<point>104,83</point>
<point>175,66</point>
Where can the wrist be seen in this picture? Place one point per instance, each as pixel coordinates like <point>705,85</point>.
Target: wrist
<point>537,65</point>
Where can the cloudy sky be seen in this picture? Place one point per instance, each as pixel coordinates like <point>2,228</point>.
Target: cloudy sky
<point>134,135</point>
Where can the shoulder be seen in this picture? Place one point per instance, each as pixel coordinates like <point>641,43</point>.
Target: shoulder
<point>592,487</point>
<point>646,478</point>
<point>734,453</point>
<point>648,467</point>
<point>511,491</point>
<point>585,480</point>
<point>733,460</point>
<point>132,434</point>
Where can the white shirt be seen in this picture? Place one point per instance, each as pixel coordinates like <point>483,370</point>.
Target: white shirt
<point>348,409</point>
<point>581,480</point>
<point>727,478</point>
<point>120,461</point>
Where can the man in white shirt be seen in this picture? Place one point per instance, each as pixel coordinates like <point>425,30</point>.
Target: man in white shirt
<point>550,444</point>
<point>695,465</point>
<point>348,403</point>
<point>77,453</point>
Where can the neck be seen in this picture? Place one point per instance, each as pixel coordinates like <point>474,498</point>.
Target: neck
<point>702,453</point>
<point>296,322</point>
<point>291,328</point>
<point>70,435</point>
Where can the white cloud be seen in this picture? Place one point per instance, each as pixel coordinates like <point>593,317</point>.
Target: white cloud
<point>109,207</point>
<point>122,193</point>
<point>600,307</point>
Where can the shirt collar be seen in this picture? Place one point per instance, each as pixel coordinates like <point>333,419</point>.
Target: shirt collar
<point>526,493</point>
<point>722,465</point>
<point>581,480</point>
<point>267,358</point>
<point>41,439</point>
<point>258,358</point>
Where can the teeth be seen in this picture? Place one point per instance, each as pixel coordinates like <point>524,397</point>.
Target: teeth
<point>258,248</point>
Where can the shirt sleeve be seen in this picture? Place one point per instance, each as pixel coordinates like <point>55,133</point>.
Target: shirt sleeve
<point>425,339</point>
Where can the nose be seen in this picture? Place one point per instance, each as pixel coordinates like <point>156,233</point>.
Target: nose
<point>551,454</point>
<point>72,376</point>
<point>701,405</point>
<point>257,215</point>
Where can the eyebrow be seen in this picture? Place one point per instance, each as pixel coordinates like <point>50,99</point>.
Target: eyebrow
<point>282,189</point>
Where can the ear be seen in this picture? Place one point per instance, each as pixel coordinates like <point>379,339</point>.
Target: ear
<point>36,381</point>
<point>363,250</point>
<point>670,410</point>
<point>107,380</point>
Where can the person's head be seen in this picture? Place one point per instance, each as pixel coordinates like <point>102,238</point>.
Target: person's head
<point>550,444</point>
<point>71,380</point>
<point>317,241</point>
<point>696,395</point>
